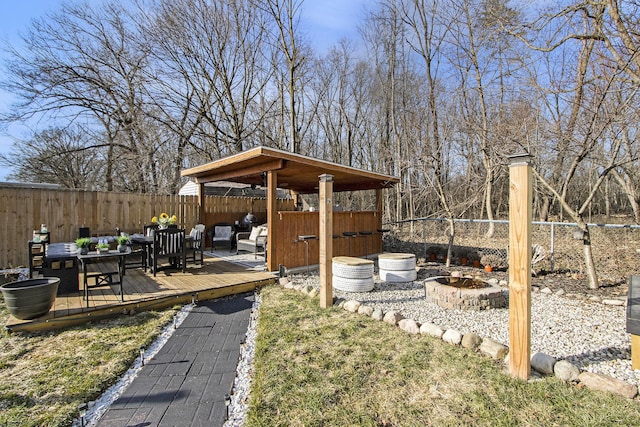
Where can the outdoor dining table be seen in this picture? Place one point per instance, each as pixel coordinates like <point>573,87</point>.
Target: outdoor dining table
<point>146,243</point>
<point>95,257</point>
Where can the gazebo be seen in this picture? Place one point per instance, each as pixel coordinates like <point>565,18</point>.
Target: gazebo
<point>355,233</point>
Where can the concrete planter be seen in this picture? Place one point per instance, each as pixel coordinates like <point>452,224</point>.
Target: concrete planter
<point>31,298</point>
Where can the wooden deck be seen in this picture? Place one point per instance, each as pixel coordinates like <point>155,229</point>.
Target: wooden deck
<point>142,291</point>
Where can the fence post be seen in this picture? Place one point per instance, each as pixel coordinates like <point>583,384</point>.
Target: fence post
<point>553,247</point>
<point>424,237</point>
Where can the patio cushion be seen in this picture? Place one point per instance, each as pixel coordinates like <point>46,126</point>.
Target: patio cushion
<point>255,232</point>
<point>222,232</point>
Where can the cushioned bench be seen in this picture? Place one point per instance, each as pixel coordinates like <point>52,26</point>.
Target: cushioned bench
<point>255,241</point>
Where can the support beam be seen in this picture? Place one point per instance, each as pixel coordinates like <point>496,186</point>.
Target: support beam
<point>272,238</point>
<point>201,211</point>
<point>326,240</point>
<point>520,214</point>
<point>378,242</point>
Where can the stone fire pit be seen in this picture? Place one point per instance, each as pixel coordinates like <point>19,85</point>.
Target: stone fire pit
<point>463,293</point>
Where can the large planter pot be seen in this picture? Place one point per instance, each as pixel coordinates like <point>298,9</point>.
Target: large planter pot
<point>28,299</point>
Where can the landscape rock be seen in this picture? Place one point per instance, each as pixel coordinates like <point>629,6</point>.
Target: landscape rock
<point>546,291</point>
<point>560,292</point>
<point>604,383</point>
<point>471,340</point>
<point>566,371</point>
<point>452,337</point>
<point>409,325</point>
<point>365,310</point>
<point>493,349</point>
<point>284,281</point>
<point>377,314</point>
<point>307,289</point>
<point>617,302</point>
<point>392,317</point>
<point>543,363</point>
<point>352,306</point>
<point>289,285</point>
<point>431,329</point>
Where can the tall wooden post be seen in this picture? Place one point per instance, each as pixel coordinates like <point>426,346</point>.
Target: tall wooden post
<point>201,197</point>
<point>272,240</point>
<point>520,213</point>
<point>326,240</point>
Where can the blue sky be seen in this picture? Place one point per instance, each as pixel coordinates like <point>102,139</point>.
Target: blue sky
<point>325,22</point>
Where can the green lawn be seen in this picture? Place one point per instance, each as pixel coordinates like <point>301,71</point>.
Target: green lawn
<point>44,377</point>
<point>317,367</point>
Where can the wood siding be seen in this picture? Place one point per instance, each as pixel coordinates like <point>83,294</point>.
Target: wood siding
<point>289,225</point>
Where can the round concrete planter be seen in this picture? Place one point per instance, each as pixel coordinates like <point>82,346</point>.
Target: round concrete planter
<point>31,298</point>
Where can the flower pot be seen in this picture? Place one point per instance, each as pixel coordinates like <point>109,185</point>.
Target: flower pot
<point>122,248</point>
<point>488,268</point>
<point>476,263</point>
<point>103,250</point>
<point>84,250</point>
<point>31,298</point>
<point>464,261</point>
<point>432,256</point>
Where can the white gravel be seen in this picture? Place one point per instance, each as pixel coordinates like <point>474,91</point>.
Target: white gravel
<point>590,335</point>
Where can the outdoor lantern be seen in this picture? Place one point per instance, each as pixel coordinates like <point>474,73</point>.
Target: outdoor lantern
<point>82,409</point>
<point>633,306</point>
<point>227,403</point>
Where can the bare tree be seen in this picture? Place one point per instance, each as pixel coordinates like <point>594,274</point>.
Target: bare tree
<point>77,64</point>
<point>56,156</point>
<point>285,15</point>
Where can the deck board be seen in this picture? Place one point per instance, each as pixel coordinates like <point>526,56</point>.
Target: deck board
<point>143,291</point>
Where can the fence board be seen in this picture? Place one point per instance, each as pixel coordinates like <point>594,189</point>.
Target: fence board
<point>24,209</point>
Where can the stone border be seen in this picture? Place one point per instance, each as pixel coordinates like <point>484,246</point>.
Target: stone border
<point>541,363</point>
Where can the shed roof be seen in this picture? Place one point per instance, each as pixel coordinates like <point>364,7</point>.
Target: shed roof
<point>295,172</point>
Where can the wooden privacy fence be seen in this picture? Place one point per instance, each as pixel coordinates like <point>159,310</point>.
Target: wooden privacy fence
<point>23,210</point>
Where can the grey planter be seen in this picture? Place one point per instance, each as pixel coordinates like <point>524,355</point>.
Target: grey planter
<point>32,298</point>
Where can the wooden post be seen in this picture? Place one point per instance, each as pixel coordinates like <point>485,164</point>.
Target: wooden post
<point>520,207</point>
<point>378,242</point>
<point>326,240</point>
<point>272,238</point>
<point>635,351</point>
<point>201,196</point>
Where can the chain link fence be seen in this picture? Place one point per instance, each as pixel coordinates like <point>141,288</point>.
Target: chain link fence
<point>557,246</point>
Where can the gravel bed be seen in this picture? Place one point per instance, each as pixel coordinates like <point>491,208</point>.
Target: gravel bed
<point>590,335</point>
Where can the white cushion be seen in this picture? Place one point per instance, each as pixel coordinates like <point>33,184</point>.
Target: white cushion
<point>255,232</point>
<point>222,232</point>
<point>263,231</point>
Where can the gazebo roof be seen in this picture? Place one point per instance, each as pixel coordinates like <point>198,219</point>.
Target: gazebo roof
<point>295,172</point>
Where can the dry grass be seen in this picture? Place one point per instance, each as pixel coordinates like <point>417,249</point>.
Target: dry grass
<point>318,367</point>
<point>44,377</point>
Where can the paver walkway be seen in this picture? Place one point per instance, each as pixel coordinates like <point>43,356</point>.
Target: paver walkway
<point>185,383</point>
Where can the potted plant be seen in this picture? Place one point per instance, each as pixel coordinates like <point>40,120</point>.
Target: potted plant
<point>102,247</point>
<point>123,242</point>
<point>83,244</point>
<point>492,261</point>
